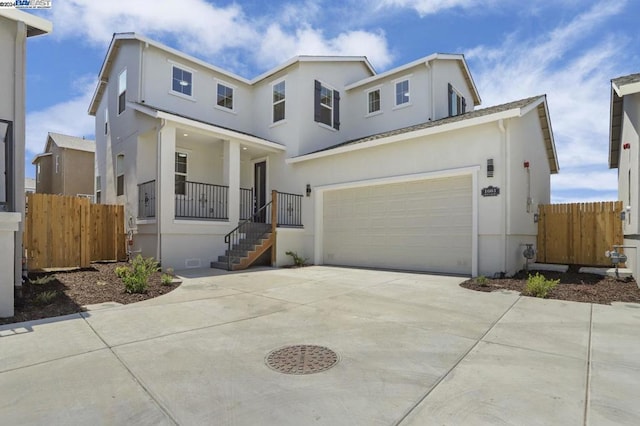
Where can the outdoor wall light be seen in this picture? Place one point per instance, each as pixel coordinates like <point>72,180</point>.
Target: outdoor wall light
<point>308,190</point>
<point>490,167</point>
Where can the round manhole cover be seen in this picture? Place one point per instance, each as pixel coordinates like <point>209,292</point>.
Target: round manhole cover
<point>301,359</point>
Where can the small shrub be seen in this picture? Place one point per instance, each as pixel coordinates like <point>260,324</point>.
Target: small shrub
<point>482,281</point>
<point>121,271</point>
<point>44,279</point>
<point>166,279</point>
<point>169,271</point>
<point>297,260</point>
<point>539,286</point>
<point>46,297</point>
<point>137,276</point>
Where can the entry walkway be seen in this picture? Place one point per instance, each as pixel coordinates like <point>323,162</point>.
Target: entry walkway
<point>413,349</point>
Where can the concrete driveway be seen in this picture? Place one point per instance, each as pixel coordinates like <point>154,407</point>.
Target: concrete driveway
<point>413,349</point>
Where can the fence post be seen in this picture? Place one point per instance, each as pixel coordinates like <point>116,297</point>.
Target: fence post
<point>274,224</point>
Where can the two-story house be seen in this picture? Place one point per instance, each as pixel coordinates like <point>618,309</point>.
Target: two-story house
<point>624,155</point>
<point>66,166</point>
<point>15,27</point>
<point>390,170</point>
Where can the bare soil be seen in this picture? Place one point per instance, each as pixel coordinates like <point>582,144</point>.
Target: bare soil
<point>72,290</point>
<point>574,286</point>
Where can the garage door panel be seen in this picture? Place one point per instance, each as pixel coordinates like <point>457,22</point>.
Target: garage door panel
<point>420,225</point>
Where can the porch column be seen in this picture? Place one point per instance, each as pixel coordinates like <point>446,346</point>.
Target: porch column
<point>165,181</point>
<point>232,178</point>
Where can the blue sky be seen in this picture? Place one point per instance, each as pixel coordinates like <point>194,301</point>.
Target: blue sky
<point>567,49</point>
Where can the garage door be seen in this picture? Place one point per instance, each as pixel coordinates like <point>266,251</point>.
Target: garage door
<point>421,225</point>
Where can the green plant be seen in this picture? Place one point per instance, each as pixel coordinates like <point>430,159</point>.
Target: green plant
<point>121,271</point>
<point>44,279</point>
<point>539,286</point>
<point>169,271</point>
<point>166,279</point>
<point>482,281</point>
<point>46,297</point>
<point>297,260</point>
<point>137,277</point>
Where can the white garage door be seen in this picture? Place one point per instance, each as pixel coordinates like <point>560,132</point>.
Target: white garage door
<point>421,225</point>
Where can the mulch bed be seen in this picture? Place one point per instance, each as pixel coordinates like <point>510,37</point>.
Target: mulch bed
<point>574,286</point>
<point>77,288</point>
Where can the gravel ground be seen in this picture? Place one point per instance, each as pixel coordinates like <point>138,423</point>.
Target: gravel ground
<point>574,286</point>
<point>71,290</point>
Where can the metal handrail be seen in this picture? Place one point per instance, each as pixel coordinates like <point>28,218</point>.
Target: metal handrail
<point>236,231</point>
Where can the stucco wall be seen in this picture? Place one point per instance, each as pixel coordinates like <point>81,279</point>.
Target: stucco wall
<point>77,171</point>
<point>629,161</point>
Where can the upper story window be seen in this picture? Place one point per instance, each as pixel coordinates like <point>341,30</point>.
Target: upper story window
<point>457,103</point>
<point>106,121</point>
<point>120,174</point>
<point>98,190</point>
<point>122,91</point>
<point>279,95</point>
<point>373,101</point>
<point>181,81</point>
<point>181,173</point>
<point>225,96</point>
<point>326,105</point>
<point>402,92</point>
<point>57,164</point>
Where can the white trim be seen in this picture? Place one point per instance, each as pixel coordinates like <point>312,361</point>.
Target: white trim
<point>273,104</point>
<point>32,21</point>
<point>218,131</point>
<point>318,194</point>
<point>377,88</point>
<point>146,221</point>
<point>409,135</point>
<point>626,89</point>
<point>278,123</point>
<point>233,95</point>
<point>395,83</point>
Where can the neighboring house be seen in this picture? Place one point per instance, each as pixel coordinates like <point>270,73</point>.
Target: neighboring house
<point>15,27</point>
<point>390,170</point>
<point>66,166</point>
<point>29,186</point>
<point>624,155</point>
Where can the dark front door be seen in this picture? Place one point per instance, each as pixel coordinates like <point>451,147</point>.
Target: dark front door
<point>260,188</point>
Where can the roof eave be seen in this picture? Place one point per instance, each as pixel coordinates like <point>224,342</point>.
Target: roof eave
<point>615,127</point>
<point>35,25</point>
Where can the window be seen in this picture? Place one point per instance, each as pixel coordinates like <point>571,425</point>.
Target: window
<point>402,92</point>
<point>106,120</point>
<point>181,173</point>
<point>182,81</point>
<point>327,106</point>
<point>279,93</point>
<point>373,101</point>
<point>120,174</point>
<point>57,164</point>
<point>122,91</point>
<point>98,190</point>
<point>457,103</point>
<point>225,96</point>
<point>38,172</point>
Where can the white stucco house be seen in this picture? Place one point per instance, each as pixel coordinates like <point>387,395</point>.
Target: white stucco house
<point>387,170</point>
<point>15,27</point>
<point>624,155</point>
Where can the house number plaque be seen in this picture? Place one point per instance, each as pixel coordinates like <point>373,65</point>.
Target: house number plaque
<point>490,191</point>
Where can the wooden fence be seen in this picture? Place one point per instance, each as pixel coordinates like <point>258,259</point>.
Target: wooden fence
<point>578,234</point>
<point>63,231</point>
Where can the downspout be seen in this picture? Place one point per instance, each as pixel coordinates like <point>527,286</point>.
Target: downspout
<point>504,149</point>
<point>13,194</point>
<point>433,101</point>
<point>159,193</point>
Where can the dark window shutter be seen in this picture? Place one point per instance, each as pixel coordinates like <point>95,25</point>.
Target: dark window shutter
<point>316,101</point>
<point>336,110</point>
<point>449,97</point>
<point>464,105</point>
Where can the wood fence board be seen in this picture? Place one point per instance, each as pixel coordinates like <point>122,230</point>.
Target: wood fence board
<point>62,231</point>
<point>578,233</point>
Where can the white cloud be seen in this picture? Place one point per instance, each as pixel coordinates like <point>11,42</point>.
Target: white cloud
<point>215,33</point>
<point>68,117</point>
<point>430,7</point>
<point>576,80</point>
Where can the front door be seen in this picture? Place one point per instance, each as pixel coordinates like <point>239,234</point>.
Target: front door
<point>260,188</point>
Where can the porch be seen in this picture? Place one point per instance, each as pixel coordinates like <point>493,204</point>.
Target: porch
<point>202,201</point>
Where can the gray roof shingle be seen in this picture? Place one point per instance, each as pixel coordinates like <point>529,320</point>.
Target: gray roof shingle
<point>626,79</point>
<point>467,116</point>
<point>73,142</point>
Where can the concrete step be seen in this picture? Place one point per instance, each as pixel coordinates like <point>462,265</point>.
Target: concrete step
<point>219,265</point>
